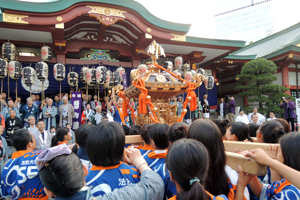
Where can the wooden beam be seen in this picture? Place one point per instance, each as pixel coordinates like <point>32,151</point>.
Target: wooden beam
<point>129,139</point>
<point>101,32</point>
<point>243,146</point>
<point>249,165</point>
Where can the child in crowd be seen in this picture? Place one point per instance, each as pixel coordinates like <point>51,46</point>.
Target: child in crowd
<point>72,141</point>
<point>52,131</point>
<point>62,136</point>
<point>63,177</point>
<point>82,134</point>
<point>105,149</point>
<point>189,173</point>
<point>288,154</point>
<point>222,125</point>
<point>176,132</point>
<point>159,140</point>
<point>238,131</point>
<point>221,178</point>
<point>146,147</point>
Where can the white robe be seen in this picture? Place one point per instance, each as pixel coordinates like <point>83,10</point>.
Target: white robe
<point>243,119</point>
<point>261,118</point>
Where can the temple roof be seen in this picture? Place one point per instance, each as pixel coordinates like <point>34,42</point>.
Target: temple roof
<point>60,5</point>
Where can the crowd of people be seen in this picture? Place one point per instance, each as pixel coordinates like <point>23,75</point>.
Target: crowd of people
<point>41,157</point>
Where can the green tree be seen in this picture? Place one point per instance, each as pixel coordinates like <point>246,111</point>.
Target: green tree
<point>256,83</point>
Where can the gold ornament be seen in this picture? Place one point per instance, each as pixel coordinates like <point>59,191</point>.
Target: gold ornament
<point>59,18</point>
<point>155,109</point>
<point>185,111</point>
<point>148,97</point>
<point>189,98</point>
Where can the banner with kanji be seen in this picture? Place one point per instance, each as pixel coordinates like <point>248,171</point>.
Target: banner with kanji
<point>76,102</point>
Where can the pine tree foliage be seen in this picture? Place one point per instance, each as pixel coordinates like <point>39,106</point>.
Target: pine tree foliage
<point>256,83</point>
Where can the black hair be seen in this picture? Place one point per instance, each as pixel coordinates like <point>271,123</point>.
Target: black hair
<point>145,133</point>
<point>194,165</point>
<point>52,127</point>
<point>39,121</point>
<point>271,131</point>
<point>240,130</point>
<point>105,144</point>
<point>88,103</point>
<point>284,123</point>
<point>21,138</point>
<point>205,131</point>
<point>135,130</point>
<point>290,148</point>
<point>64,176</point>
<point>126,129</point>
<point>272,112</point>
<point>177,131</point>
<point>59,136</point>
<point>159,133</point>
<point>68,124</point>
<point>65,93</point>
<point>82,133</point>
<point>222,125</point>
<point>253,128</point>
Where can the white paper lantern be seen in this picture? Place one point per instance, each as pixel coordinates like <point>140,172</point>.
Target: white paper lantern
<point>91,76</point>
<point>41,70</point>
<point>28,76</point>
<point>201,71</point>
<point>121,71</point>
<point>8,51</point>
<point>46,53</point>
<point>210,82</point>
<point>186,67</point>
<point>73,78</point>
<point>188,76</point>
<point>3,68</point>
<point>142,69</point>
<point>101,74</point>
<point>168,65</point>
<point>116,78</point>
<point>15,70</point>
<point>59,71</point>
<point>109,80</point>
<point>83,74</point>
<point>178,62</point>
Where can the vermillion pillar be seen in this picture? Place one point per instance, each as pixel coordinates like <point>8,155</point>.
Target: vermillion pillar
<point>285,78</point>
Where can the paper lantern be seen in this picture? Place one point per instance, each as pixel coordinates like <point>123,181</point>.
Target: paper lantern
<point>15,70</point>
<point>73,78</point>
<point>116,78</point>
<point>142,69</point>
<point>168,65</point>
<point>109,80</point>
<point>186,67</point>
<point>91,76</point>
<point>210,82</point>
<point>178,62</point>
<point>3,68</point>
<point>82,74</point>
<point>8,51</point>
<point>46,53</point>
<point>188,76</point>
<point>121,71</point>
<point>101,74</point>
<point>28,76</point>
<point>59,71</point>
<point>201,71</point>
<point>41,70</point>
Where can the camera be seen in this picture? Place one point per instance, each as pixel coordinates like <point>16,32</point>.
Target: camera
<point>282,98</point>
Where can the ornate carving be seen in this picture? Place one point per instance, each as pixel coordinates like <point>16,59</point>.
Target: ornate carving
<point>149,30</point>
<point>106,16</point>
<point>13,18</point>
<point>177,37</point>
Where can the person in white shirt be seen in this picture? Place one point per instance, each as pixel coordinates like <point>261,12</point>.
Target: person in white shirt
<point>242,117</point>
<point>255,120</point>
<point>99,115</point>
<point>272,116</point>
<point>261,118</point>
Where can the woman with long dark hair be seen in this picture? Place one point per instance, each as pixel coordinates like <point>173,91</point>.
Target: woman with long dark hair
<point>222,178</point>
<point>62,136</point>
